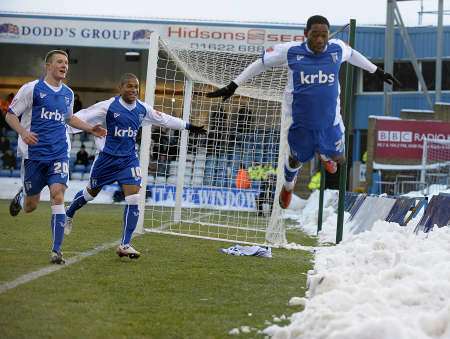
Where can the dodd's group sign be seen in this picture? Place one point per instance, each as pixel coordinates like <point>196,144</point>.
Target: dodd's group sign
<point>403,139</point>
<point>72,32</point>
<point>136,34</point>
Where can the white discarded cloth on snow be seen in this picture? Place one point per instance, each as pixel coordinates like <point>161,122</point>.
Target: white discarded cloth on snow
<point>257,251</point>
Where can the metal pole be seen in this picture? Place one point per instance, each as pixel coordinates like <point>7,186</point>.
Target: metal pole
<point>389,55</point>
<point>412,55</point>
<point>321,194</point>
<point>424,160</point>
<point>347,115</point>
<point>187,100</point>
<point>439,44</point>
<point>356,145</point>
<point>146,134</point>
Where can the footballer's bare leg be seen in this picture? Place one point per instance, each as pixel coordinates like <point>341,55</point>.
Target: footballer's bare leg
<point>31,202</point>
<point>93,191</point>
<point>26,202</point>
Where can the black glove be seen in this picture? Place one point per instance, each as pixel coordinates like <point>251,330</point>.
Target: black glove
<point>224,92</point>
<point>196,129</point>
<point>387,77</point>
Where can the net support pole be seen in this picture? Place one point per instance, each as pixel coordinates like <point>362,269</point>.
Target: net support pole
<point>183,151</point>
<point>146,134</point>
<point>275,233</point>
<point>321,194</point>
<point>439,50</point>
<point>424,160</point>
<point>389,37</point>
<point>347,115</point>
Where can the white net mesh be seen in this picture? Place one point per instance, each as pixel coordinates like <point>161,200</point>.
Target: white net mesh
<point>243,137</point>
<point>437,164</point>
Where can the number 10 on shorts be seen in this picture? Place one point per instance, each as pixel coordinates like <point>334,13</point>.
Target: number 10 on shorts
<point>136,172</point>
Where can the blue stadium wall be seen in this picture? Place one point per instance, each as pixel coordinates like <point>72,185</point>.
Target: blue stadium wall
<point>370,42</point>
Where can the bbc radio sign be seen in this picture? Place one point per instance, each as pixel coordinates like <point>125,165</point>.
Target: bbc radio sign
<point>403,139</point>
<point>395,136</point>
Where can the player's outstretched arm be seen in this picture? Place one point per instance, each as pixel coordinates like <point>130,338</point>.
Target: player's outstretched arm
<point>252,70</point>
<point>224,92</point>
<point>387,77</point>
<point>96,130</point>
<point>196,129</point>
<point>359,60</point>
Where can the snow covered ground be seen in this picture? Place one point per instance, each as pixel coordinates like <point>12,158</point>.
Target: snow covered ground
<point>386,283</point>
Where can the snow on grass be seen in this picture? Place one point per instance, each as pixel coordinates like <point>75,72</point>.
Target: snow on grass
<point>386,283</point>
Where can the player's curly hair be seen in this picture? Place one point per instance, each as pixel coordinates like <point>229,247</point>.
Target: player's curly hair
<point>127,76</point>
<point>316,19</point>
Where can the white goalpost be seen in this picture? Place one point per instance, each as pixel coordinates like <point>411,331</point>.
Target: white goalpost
<point>435,165</point>
<point>189,182</point>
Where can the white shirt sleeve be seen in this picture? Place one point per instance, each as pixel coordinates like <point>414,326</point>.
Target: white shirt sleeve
<point>272,57</point>
<point>23,100</point>
<point>154,117</point>
<point>70,108</point>
<point>277,55</point>
<point>250,72</point>
<point>359,60</point>
<point>354,57</point>
<point>93,115</point>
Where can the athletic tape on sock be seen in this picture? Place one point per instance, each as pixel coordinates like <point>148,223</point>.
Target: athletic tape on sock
<point>87,196</point>
<point>58,209</point>
<point>132,199</point>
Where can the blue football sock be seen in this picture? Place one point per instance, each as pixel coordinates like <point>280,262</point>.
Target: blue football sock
<point>289,174</point>
<point>78,202</point>
<point>57,225</point>
<point>130,219</point>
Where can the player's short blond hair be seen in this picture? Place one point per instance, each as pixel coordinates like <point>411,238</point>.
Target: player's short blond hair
<point>50,54</point>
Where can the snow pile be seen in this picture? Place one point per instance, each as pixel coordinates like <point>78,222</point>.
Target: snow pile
<point>387,283</point>
<point>306,214</point>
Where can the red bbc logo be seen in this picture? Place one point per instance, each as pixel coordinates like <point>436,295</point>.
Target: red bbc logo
<point>256,36</point>
<point>383,135</point>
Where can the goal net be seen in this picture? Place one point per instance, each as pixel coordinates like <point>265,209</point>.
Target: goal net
<point>192,185</point>
<point>436,165</point>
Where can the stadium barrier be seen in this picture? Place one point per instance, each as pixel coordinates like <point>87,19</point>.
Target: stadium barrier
<point>437,213</point>
<point>372,209</point>
<point>402,206</point>
<point>366,210</point>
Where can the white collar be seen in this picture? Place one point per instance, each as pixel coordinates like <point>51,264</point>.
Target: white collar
<point>55,89</point>
<point>310,51</point>
<point>127,106</point>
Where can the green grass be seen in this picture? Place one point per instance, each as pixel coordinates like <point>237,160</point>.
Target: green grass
<point>180,287</point>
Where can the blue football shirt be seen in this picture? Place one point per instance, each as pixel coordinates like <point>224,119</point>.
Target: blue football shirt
<point>312,92</point>
<point>122,122</point>
<point>44,110</point>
